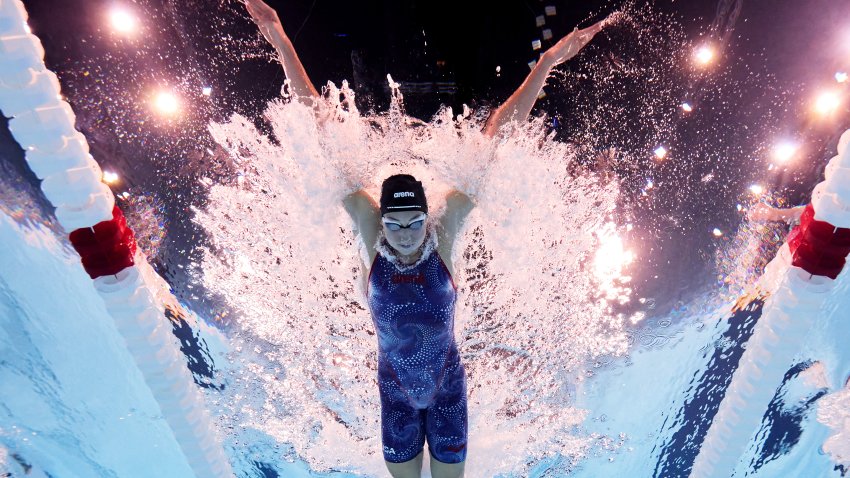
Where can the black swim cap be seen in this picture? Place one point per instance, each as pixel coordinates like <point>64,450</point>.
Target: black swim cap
<point>402,192</point>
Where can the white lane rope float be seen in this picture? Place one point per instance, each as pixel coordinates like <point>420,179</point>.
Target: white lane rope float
<point>43,124</point>
<point>813,255</point>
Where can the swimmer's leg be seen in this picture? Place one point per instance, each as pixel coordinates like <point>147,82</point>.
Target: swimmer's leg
<point>402,431</point>
<point>446,470</point>
<point>408,469</point>
<point>446,426</point>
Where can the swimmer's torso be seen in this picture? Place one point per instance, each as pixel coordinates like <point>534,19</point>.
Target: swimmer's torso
<point>413,312</point>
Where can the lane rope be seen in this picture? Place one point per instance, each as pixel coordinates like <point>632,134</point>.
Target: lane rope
<point>43,124</point>
<point>812,257</point>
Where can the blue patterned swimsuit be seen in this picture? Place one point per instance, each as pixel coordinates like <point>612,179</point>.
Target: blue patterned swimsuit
<point>420,377</point>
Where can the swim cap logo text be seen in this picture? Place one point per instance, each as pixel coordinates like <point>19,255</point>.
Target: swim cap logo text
<point>403,195</point>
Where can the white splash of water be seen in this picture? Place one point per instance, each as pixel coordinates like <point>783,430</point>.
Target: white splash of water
<point>530,311</point>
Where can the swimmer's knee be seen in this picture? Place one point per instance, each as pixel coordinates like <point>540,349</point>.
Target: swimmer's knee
<point>408,469</point>
<point>441,469</point>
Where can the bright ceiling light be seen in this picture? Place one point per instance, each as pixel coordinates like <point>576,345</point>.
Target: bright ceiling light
<point>827,102</point>
<point>704,55</point>
<point>784,151</point>
<point>122,20</point>
<point>166,103</point>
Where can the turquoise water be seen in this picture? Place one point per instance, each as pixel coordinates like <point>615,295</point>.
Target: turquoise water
<point>573,371</point>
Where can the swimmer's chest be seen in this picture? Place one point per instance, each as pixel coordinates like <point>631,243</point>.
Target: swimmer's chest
<point>426,288</point>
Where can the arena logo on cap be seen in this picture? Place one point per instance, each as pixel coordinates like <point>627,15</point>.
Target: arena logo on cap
<point>407,194</point>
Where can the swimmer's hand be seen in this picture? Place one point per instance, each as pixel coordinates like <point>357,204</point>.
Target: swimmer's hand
<point>571,44</point>
<point>269,23</point>
<point>262,14</point>
<point>762,212</point>
<point>518,106</point>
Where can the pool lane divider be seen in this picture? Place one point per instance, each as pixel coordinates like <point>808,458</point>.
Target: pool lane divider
<point>43,124</point>
<point>807,264</point>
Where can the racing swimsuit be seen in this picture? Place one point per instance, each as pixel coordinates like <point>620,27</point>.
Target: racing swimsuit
<point>421,380</point>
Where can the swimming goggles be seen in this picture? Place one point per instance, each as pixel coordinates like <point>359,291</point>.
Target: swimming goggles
<point>414,226</point>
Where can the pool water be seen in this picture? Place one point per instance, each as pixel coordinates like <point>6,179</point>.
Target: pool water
<point>598,334</point>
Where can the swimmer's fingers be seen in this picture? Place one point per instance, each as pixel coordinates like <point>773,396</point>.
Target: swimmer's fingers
<point>261,13</point>
<point>571,44</point>
<point>595,28</point>
<point>587,34</point>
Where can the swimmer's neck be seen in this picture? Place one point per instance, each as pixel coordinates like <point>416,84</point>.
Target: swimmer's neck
<point>408,259</point>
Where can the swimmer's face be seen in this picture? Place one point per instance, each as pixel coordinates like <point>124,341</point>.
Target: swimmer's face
<point>404,230</point>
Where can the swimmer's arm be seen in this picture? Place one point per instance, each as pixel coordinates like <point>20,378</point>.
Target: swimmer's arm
<point>763,212</point>
<point>793,214</point>
<point>519,105</point>
<point>458,207</point>
<point>367,217</point>
<point>267,20</point>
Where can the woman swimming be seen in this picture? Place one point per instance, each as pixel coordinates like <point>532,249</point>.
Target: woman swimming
<point>410,288</point>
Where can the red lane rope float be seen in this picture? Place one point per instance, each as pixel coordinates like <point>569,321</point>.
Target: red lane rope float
<point>818,247</point>
<point>106,248</point>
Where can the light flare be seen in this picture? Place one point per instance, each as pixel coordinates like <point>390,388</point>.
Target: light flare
<point>687,107</point>
<point>704,55</point>
<point>609,263</point>
<point>785,151</point>
<point>660,152</point>
<point>827,102</point>
<point>110,177</point>
<point>123,20</point>
<point>757,189</point>
<point>166,103</point>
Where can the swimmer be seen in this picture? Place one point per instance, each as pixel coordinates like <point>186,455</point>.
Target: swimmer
<point>409,280</point>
